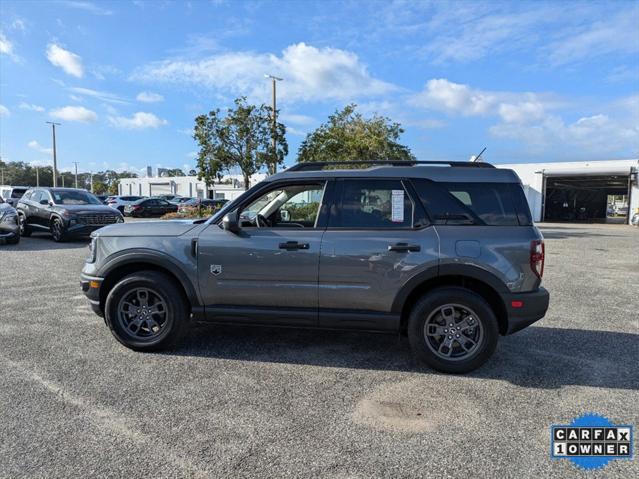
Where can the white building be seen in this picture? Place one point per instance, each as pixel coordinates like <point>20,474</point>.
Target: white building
<point>229,188</point>
<point>606,191</point>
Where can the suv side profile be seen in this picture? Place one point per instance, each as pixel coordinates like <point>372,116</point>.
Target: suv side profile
<point>445,253</point>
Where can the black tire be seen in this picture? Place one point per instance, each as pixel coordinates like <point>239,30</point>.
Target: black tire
<point>14,240</point>
<point>467,307</point>
<point>25,229</point>
<point>175,319</point>
<point>58,230</point>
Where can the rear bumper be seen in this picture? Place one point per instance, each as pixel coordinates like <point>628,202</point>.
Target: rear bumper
<point>91,288</point>
<point>533,307</point>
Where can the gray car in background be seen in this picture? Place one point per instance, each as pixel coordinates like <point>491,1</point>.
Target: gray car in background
<point>9,228</point>
<point>445,253</point>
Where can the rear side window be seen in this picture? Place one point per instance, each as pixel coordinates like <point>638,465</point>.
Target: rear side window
<point>472,203</point>
<point>374,204</point>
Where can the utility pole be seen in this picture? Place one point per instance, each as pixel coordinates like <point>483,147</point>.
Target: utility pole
<point>273,167</point>
<point>76,174</point>
<point>91,182</point>
<point>55,159</point>
<point>37,176</point>
<point>62,176</point>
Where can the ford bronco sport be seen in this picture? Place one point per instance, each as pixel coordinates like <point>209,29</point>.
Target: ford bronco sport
<point>446,253</point>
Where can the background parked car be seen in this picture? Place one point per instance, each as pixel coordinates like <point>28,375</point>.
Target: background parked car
<point>150,207</point>
<point>195,202</point>
<point>9,228</point>
<point>102,198</point>
<point>119,202</point>
<point>64,212</point>
<point>178,200</point>
<point>12,194</point>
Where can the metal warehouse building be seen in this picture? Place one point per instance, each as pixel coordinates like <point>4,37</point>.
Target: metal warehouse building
<point>590,191</point>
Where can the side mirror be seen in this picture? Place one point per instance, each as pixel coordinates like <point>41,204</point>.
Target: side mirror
<point>230,222</point>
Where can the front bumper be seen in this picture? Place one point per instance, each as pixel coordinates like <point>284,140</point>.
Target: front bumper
<point>91,288</point>
<point>80,229</point>
<point>9,228</point>
<point>525,308</point>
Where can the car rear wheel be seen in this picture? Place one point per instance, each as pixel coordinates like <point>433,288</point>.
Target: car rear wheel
<point>146,311</point>
<point>452,330</point>
<point>57,230</point>
<point>25,230</point>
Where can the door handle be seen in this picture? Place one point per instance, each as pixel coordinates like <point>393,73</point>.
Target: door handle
<point>292,245</point>
<point>404,247</point>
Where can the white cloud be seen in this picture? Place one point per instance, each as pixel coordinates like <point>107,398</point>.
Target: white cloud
<point>68,61</point>
<point>74,113</point>
<point>309,73</point>
<point>4,111</point>
<point>101,95</point>
<point>87,7</point>
<point>297,119</point>
<point>30,107</point>
<point>6,48</point>
<point>149,97</point>
<point>459,99</point>
<point>138,121</point>
<point>607,35</point>
<point>34,145</point>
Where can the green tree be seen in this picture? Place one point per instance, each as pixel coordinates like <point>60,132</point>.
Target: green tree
<point>174,172</point>
<point>348,136</point>
<point>240,139</point>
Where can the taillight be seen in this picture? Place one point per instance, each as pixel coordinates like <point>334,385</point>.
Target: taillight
<point>537,257</point>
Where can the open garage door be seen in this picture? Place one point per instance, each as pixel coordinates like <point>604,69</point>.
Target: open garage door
<point>591,198</point>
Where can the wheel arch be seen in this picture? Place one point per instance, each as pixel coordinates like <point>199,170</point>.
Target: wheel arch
<point>132,262</point>
<point>480,281</point>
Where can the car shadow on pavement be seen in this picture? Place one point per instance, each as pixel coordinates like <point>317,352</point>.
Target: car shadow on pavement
<point>43,241</point>
<point>537,357</point>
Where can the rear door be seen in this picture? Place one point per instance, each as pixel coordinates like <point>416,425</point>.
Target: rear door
<point>378,237</point>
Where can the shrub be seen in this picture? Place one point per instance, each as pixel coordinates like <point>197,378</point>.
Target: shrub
<point>191,213</point>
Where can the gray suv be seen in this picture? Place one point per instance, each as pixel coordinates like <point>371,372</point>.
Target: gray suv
<point>445,253</point>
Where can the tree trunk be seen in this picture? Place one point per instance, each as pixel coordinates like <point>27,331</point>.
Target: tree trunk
<point>247,181</point>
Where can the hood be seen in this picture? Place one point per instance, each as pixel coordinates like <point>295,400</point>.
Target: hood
<point>5,207</point>
<point>93,209</point>
<point>147,228</point>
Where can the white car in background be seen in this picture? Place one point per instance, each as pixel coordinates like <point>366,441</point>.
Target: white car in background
<point>119,202</point>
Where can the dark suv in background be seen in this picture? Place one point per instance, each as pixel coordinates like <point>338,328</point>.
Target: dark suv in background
<point>445,253</point>
<point>64,212</point>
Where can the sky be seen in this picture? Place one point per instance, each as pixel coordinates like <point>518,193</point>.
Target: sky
<point>530,81</point>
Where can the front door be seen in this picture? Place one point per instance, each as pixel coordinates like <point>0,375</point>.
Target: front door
<point>378,237</point>
<point>268,271</point>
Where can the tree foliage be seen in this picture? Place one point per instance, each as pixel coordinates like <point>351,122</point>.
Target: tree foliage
<point>348,136</point>
<point>240,139</point>
<point>24,174</point>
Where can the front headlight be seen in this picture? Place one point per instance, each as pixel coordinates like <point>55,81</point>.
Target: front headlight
<point>8,217</point>
<point>92,250</point>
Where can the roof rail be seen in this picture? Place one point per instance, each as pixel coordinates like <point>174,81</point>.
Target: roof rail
<point>315,166</point>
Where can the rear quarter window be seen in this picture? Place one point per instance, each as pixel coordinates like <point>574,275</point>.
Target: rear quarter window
<point>456,203</point>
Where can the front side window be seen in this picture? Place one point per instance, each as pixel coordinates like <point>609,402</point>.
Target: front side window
<point>290,206</point>
<point>374,204</point>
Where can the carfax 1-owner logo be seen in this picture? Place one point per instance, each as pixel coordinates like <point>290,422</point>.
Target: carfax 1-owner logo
<point>591,441</point>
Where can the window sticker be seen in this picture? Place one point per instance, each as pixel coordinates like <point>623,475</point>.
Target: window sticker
<point>397,215</point>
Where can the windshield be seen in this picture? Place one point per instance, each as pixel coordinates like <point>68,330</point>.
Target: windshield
<point>74,197</point>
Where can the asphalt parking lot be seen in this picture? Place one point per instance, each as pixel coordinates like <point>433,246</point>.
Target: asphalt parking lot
<point>235,402</point>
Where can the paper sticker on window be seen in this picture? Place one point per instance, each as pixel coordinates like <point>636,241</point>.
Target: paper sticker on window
<point>397,215</point>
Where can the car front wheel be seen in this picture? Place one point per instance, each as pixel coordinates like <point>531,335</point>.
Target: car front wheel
<point>452,330</point>
<point>58,230</point>
<point>146,311</point>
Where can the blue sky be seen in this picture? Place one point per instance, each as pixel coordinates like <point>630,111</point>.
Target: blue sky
<point>532,81</point>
